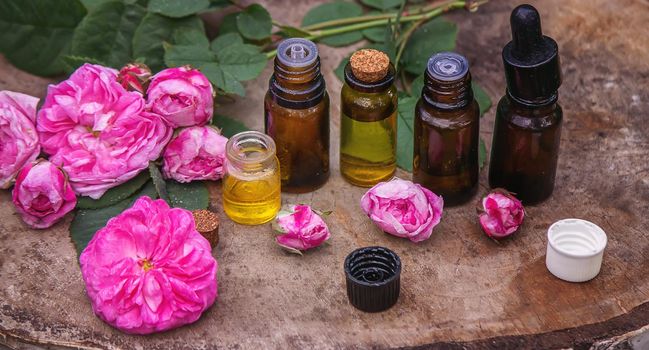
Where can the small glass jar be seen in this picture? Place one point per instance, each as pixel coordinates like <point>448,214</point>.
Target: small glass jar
<point>251,184</point>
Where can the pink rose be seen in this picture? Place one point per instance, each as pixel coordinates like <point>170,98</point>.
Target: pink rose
<point>301,228</point>
<point>42,194</point>
<point>502,214</point>
<point>148,270</point>
<point>18,138</point>
<point>134,77</point>
<point>98,132</point>
<point>182,95</point>
<point>403,209</point>
<point>197,153</point>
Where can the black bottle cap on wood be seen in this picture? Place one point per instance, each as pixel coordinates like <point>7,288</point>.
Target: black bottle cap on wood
<point>373,278</point>
<point>531,59</point>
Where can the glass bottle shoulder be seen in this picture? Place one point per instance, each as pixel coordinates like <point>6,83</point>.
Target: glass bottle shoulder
<point>528,117</point>
<point>447,119</point>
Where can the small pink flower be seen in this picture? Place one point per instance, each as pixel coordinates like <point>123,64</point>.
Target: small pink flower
<point>403,209</point>
<point>182,95</point>
<point>42,195</point>
<point>301,229</point>
<point>148,270</point>
<point>501,214</point>
<point>134,77</point>
<point>197,153</point>
<point>98,132</point>
<point>18,138</point>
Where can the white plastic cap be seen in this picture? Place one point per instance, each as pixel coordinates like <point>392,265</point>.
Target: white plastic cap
<point>575,250</point>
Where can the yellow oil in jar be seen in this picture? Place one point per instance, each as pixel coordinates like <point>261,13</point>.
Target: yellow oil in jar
<point>368,150</point>
<point>252,201</point>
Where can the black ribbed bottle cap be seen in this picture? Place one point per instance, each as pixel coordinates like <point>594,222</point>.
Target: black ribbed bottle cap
<point>531,59</point>
<point>373,278</point>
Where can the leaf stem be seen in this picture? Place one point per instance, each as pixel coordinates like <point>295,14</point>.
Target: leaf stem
<point>384,20</point>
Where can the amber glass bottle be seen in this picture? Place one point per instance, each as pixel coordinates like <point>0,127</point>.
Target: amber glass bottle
<point>296,111</point>
<point>447,121</point>
<point>368,120</point>
<point>527,132</point>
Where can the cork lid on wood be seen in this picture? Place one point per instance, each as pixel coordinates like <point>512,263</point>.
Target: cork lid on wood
<point>207,224</point>
<point>369,65</point>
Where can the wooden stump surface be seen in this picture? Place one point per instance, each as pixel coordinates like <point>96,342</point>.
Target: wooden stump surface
<point>459,289</point>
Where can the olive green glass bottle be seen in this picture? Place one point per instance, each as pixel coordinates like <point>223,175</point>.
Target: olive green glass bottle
<point>368,125</point>
<point>296,111</point>
<point>447,121</point>
<point>527,131</point>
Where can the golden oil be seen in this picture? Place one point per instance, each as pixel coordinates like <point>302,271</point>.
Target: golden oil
<point>368,125</point>
<point>368,149</point>
<point>251,184</point>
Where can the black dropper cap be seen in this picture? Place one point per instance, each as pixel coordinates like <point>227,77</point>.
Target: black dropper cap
<point>531,59</point>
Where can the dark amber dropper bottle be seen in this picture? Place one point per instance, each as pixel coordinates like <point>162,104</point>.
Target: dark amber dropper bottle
<point>296,111</point>
<point>527,132</point>
<point>446,132</point>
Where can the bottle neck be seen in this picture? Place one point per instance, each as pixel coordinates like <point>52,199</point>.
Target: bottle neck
<point>447,95</point>
<point>535,103</point>
<point>374,87</point>
<point>297,87</point>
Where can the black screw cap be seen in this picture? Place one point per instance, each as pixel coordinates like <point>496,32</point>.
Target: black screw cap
<point>373,278</point>
<point>531,59</point>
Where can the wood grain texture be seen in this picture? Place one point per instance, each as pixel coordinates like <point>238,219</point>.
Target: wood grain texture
<point>459,289</point>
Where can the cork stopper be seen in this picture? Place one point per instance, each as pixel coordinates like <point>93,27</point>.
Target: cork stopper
<point>207,224</point>
<point>369,65</point>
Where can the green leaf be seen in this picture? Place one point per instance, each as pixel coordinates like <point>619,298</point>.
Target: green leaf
<point>158,182</point>
<point>482,153</point>
<point>229,24</point>
<point>416,86</point>
<point>435,36</point>
<point>153,31</point>
<point>405,124</point>
<point>243,61</point>
<point>382,4</point>
<point>178,8</point>
<point>193,55</point>
<point>225,40</point>
<point>191,196</point>
<point>106,33</point>
<point>115,194</point>
<point>35,34</point>
<point>484,102</point>
<point>222,79</point>
<point>190,36</point>
<point>331,11</point>
<point>87,222</point>
<point>254,22</point>
<point>71,63</point>
<point>340,70</point>
<point>376,34</point>
<point>293,32</point>
<point>90,4</point>
<point>229,127</point>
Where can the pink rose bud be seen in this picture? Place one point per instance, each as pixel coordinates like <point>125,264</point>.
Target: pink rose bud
<point>403,209</point>
<point>18,138</point>
<point>197,153</point>
<point>182,95</point>
<point>134,77</point>
<point>501,214</point>
<point>301,229</point>
<point>148,270</point>
<point>42,195</point>
<point>98,132</point>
